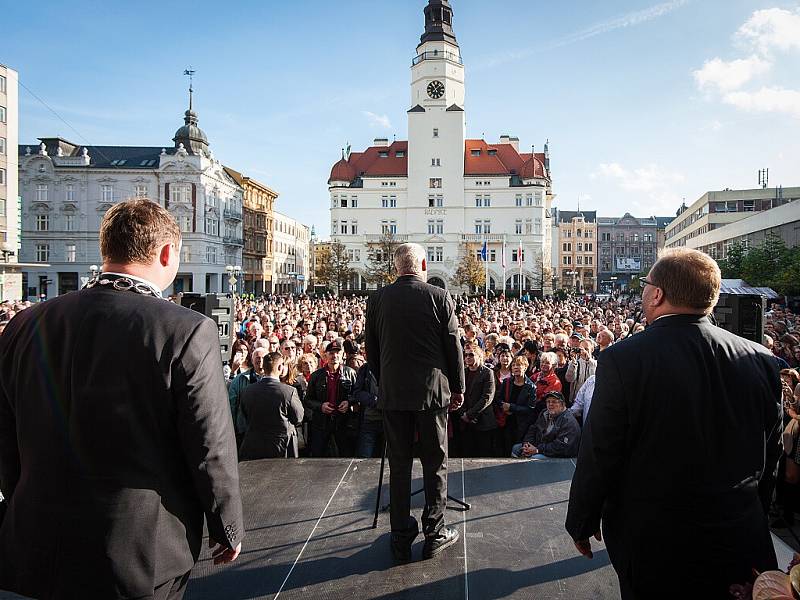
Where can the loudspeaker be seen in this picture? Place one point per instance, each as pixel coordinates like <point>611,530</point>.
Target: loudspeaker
<point>742,314</point>
<point>219,308</point>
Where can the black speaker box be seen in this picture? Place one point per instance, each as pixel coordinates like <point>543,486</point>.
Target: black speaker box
<point>219,308</point>
<point>742,314</point>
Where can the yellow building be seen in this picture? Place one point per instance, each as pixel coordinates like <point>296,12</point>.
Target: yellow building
<point>577,250</point>
<point>258,208</point>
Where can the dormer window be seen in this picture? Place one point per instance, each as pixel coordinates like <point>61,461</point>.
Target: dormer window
<point>475,152</point>
<point>492,152</point>
<point>383,154</point>
<point>400,154</point>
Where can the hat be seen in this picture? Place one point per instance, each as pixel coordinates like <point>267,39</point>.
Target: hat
<point>577,324</point>
<point>577,336</point>
<point>334,346</point>
<point>531,346</point>
<point>557,395</point>
<point>350,347</point>
<point>502,347</point>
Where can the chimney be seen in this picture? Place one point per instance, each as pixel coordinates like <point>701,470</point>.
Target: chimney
<point>514,141</point>
<point>381,142</point>
<point>505,139</point>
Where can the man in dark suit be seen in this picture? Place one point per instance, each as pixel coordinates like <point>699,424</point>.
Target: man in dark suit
<point>674,447</point>
<point>115,432</point>
<point>414,352</point>
<point>272,410</point>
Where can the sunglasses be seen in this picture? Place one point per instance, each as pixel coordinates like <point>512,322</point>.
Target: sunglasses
<point>644,281</point>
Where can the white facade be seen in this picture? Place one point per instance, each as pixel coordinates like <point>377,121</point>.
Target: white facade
<point>66,189</point>
<point>441,189</point>
<point>10,276</point>
<point>291,255</point>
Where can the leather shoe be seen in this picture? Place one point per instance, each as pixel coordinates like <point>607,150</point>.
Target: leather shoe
<point>435,544</point>
<point>401,541</point>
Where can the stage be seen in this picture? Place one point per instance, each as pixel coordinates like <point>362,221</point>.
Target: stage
<point>309,535</point>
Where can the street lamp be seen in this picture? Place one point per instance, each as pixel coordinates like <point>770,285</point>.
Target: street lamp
<point>574,284</point>
<point>6,250</point>
<point>233,273</point>
<point>613,279</point>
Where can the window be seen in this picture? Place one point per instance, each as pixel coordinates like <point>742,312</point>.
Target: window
<point>2,114</point>
<point>431,227</point>
<point>605,237</point>
<point>580,247</point>
<point>537,197</point>
<point>107,193</point>
<point>439,253</point>
<point>565,247</point>
<point>383,154</point>
<point>518,200</point>
<point>537,229</point>
<point>344,201</point>
<point>435,183</point>
<point>343,228</point>
<point>3,212</point>
<point>749,205</point>
<point>515,255</point>
<point>69,222</point>
<point>212,226</point>
<point>42,253</point>
<point>436,162</point>
<point>435,132</point>
<point>211,255</point>
<point>492,255</point>
<point>70,254</point>
<point>354,201</point>
<point>528,226</point>
<point>69,193</point>
<point>2,84</point>
<point>478,227</point>
<point>518,227</point>
<point>354,227</point>
<point>388,227</point>
<point>590,247</point>
<point>475,152</point>
<point>41,191</point>
<point>440,227</point>
<point>487,201</point>
<point>400,154</point>
<point>180,193</point>
<point>141,191</point>
<point>2,145</point>
<point>478,201</point>
<point>334,201</point>
<point>589,260</point>
<point>529,200</point>
<point>42,222</point>
<point>580,260</point>
<point>186,254</point>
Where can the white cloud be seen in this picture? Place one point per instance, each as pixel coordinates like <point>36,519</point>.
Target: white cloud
<point>767,99</point>
<point>727,76</point>
<point>772,28</point>
<point>381,121</point>
<point>629,19</point>
<point>653,186</point>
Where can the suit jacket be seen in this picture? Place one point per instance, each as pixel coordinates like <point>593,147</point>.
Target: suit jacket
<point>671,453</point>
<point>115,440</point>
<point>478,398</point>
<point>412,345</point>
<point>272,410</point>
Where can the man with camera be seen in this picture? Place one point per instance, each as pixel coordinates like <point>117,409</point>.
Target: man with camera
<point>581,366</point>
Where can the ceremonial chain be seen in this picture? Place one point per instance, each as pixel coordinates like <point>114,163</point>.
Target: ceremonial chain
<point>123,284</point>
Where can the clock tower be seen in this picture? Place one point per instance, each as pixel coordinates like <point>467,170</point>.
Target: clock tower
<point>436,121</point>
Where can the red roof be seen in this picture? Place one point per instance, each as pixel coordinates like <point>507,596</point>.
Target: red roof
<point>503,161</point>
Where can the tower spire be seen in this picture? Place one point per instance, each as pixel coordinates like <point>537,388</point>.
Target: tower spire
<point>439,22</point>
<point>190,73</point>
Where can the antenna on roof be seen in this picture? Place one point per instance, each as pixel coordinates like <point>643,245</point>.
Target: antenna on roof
<point>763,178</point>
<point>190,73</point>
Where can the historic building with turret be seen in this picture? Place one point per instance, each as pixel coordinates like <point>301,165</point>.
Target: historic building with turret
<point>66,188</point>
<point>441,189</point>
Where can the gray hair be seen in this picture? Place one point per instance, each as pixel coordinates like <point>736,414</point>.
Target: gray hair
<point>408,259</point>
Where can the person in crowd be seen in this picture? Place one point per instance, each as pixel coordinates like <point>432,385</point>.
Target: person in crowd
<point>604,339</point>
<point>581,366</point>
<point>272,411</point>
<point>240,358</point>
<point>547,381</point>
<point>236,391</point>
<point>515,400</point>
<point>329,396</point>
<point>531,352</point>
<point>110,463</point>
<point>420,377</point>
<point>475,420</point>
<point>583,401</point>
<point>555,434</point>
<point>365,395</point>
<point>560,369</point>
<point>769,344</point>
<point>668,480</point>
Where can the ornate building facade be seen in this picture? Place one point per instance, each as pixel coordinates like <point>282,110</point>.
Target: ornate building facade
<point>577,250</point>
<point>441,189</point>
<point>66,189</point>
<point>10,274</point>
<point>291,268</point>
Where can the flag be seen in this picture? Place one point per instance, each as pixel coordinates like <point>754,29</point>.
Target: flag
<point>504,254</point>
<point>519,253</point>
<point>484,251</point>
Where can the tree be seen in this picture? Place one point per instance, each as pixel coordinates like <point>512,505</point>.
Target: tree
<point>333,267</point>
<point>470,272</point>
<point>731,266</point>
<point>380,269</point>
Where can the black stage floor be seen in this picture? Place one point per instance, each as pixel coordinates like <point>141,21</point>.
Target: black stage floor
<point>309,535</point>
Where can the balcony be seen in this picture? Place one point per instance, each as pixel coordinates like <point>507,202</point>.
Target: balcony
<point>232,241</point>
<point>232,214</point>
<point>372,238</point>
<point>436,55</point>
<point>480,237</point>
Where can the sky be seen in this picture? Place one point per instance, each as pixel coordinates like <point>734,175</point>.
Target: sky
<point>645,102</point>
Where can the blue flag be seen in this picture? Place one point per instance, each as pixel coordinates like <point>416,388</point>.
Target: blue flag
<point>484,251</point>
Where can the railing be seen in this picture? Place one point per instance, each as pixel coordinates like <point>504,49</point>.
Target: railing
<point>233,241</point>
<point>435,55</point>
<point>480,237</point>
<point>377,237</point>
<point>231,213</point>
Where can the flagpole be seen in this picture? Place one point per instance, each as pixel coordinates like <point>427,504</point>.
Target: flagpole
<point>486,277</point>
<point>504,265</point>
<point>519,256</point>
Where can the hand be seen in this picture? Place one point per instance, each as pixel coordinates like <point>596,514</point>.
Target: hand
<point>222,554</point>
<point>344,407</point>
<point>506,408</point>
<point>585,546</point>
<point>456,400</point>
<point>327,408</point>
<point>528,449</point>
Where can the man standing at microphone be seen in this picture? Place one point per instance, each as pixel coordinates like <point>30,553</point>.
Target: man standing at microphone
<point>413,349</point>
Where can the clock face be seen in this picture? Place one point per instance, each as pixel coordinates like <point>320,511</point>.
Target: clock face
<point>435,89</point>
